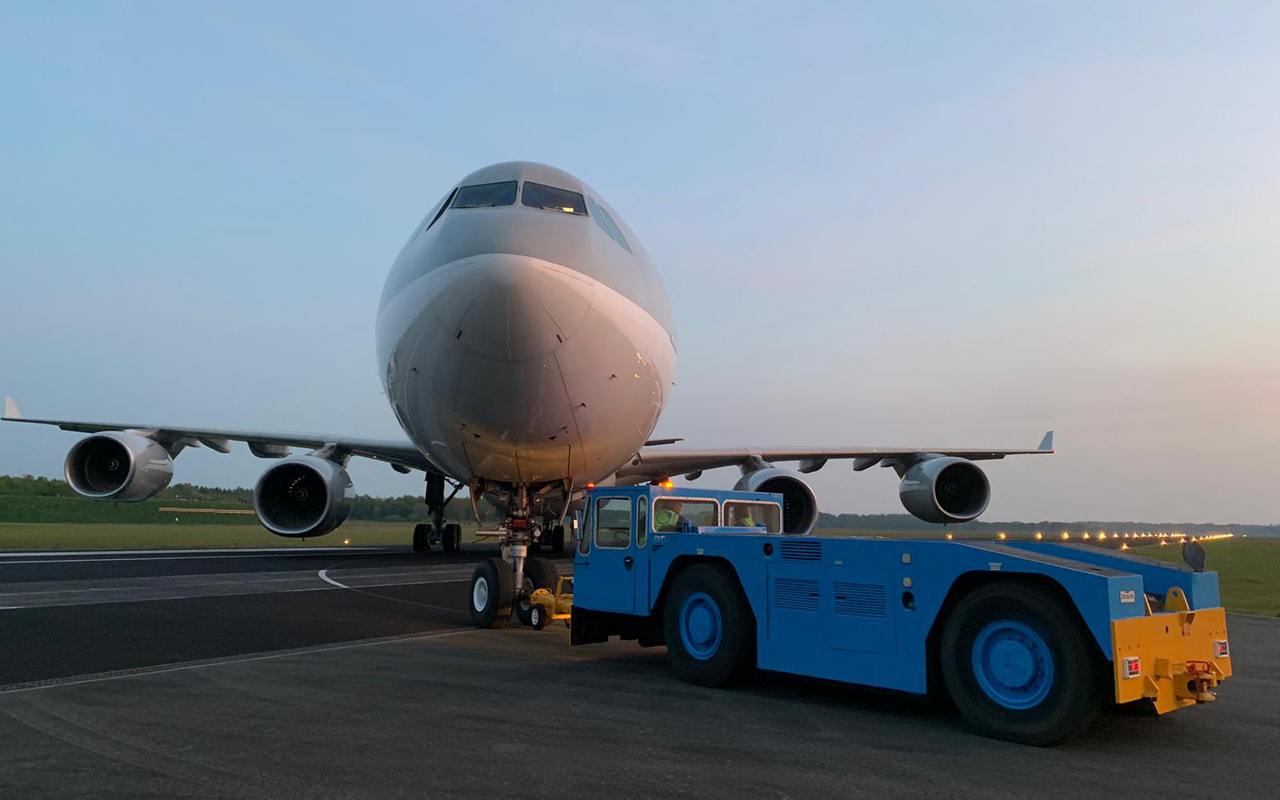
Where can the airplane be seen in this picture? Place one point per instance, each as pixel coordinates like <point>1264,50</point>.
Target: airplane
<point>526,345</point>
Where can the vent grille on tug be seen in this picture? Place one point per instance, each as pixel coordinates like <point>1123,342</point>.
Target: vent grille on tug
<point>801,551</point>
<point>800,594</point>
<point>860,599</point>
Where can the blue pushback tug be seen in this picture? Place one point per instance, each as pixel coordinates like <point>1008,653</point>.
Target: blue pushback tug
<point>1027,638</point>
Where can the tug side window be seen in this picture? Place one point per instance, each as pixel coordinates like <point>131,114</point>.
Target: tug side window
<point>749,514</point>
<point>613,523</point>
<point>670,513</point>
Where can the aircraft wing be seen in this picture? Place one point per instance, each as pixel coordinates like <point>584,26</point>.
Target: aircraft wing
<point>401,454</point>
<point>660,463</point>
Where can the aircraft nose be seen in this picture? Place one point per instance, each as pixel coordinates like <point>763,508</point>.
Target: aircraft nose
<point>511,307</point>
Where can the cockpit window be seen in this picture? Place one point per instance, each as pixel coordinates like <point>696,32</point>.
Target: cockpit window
<point>605,221</point>
<point>486,195</point>
<point>552,199</point>
<point>438,211</point>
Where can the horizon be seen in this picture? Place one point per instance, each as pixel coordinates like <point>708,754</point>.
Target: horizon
<point>903,514</point>
<point>876,229</point>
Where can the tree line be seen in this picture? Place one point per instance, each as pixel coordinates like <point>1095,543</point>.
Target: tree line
<point>21,501</point>
<point>30,499</point>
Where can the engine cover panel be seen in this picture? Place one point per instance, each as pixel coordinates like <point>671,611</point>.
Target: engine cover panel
<point>118,466</point>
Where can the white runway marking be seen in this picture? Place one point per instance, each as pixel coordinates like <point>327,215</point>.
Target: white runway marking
<point>193,550</point>
<point>229,554</point>
<point>101,600</point>
<point>324,576</point>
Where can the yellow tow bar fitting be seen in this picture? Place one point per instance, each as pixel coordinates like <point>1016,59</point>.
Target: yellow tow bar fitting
<point>553,606</point>
<point>1175,658</point>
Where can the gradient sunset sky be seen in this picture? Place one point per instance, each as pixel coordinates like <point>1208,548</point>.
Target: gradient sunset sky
<point>894,224</point>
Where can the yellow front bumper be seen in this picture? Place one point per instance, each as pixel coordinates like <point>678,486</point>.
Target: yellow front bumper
<point>1174,658</point>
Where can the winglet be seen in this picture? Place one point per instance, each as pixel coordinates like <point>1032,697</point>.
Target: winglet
<point>11,409</point>
<point>1046,444</point>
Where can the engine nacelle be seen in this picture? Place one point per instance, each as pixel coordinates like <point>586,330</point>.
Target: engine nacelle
<point>799,505</point>
<point>303,496</point>
<point>119,466</point>
<point>945,489</point>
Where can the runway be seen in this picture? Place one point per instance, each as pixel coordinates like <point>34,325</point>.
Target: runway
<point>83,612</point>
<point>242,674</point>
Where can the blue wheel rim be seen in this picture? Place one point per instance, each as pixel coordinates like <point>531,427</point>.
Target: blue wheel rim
<point>1013,664</point>
<point>701,627</point>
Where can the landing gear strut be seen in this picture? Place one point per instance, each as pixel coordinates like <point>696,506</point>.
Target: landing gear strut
<point>447,535</point>
<point>526,573</point>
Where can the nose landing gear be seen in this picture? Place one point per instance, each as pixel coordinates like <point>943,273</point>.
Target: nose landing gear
<point>526,574</point>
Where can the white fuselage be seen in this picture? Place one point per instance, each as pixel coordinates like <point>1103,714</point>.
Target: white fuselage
<point>525,345</point>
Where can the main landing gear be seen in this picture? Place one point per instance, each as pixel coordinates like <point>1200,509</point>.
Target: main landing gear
<point>446,535</point>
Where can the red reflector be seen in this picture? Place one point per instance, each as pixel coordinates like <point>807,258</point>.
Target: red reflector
<point>519,523</point>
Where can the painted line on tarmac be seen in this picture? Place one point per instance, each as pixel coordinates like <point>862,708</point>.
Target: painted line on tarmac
<point>324,576</point>
<point>197,550</point>
<point>53,683</point>
<point>101,601</point>
<point>148,559</point>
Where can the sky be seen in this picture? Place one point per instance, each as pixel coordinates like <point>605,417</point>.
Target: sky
<point>951,224</point>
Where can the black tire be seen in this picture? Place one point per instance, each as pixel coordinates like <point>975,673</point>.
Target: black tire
<point>451,537</point>
<point>421,537</point>
<point>557,539</point>
<point>539,573</point>
<point>1059,697</point>
<point>538,618</point>
<point>491,604</point>
<point>709,590</point>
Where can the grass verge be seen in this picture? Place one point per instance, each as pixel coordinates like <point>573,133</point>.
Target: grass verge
<point>88,536</point>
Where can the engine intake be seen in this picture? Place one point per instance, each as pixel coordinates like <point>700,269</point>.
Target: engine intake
<point>945,489</point>
<point>799,505</point>
<point>303,496</point>
<point>118,466</point>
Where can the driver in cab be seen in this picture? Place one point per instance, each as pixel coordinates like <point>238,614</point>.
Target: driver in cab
<point>668,518</point>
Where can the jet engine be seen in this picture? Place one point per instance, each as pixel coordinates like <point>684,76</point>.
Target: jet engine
<point>945,489</point>
<point>303,496</point>
<point>799,505</point>
<point>119,466</point>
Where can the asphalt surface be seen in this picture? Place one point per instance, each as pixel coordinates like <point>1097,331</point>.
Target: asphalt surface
<point>355,674</point>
